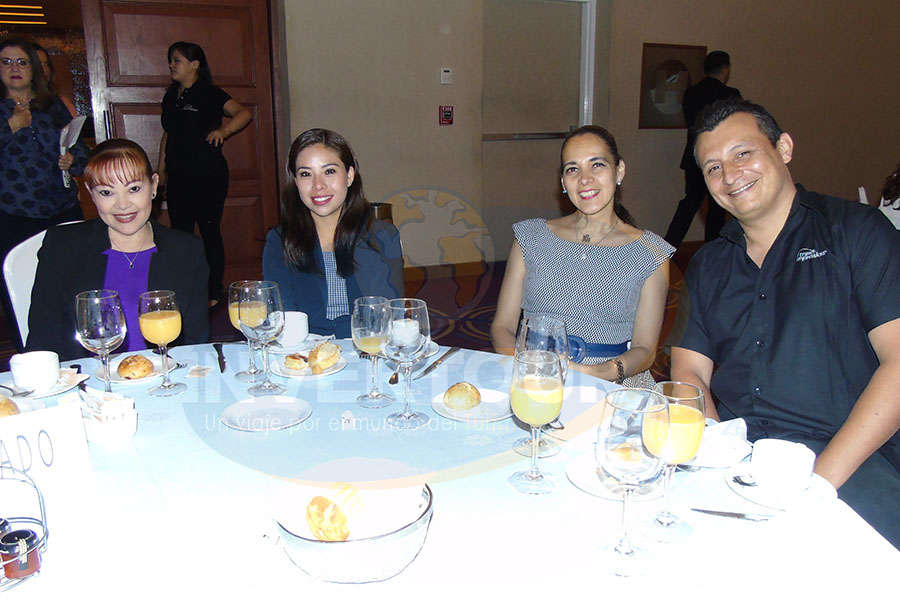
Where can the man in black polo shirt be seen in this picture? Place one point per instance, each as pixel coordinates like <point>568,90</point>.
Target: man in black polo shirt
<point>792,315</point>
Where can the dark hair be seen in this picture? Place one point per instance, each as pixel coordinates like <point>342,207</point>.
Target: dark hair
<point>192,52</point>
<point>39,48</point>
<point>116,160</point>
<point>711,116</point>
<point>891,191</point>
<point>610,141</point>
<point>43,97</point>
<point>716,61</point>
<point>298,231</point>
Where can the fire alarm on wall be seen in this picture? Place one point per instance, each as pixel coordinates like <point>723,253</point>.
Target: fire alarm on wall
<point>445,114</point>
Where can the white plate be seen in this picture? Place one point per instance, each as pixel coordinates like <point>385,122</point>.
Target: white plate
<point>819,490</point>
<point>582,471</point>
<point>431,349</point>
<point>494,407</point>
<point>311,341</point>
<point>278,368</point>
<point>266,413</point>
<point>68,379</point>
<point>114,376</point>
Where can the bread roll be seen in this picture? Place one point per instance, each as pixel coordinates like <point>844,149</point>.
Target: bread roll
<point>134,367</point>
<point>296,362</point>
<point>326,520</point>
<point>7,407</point>
<point>324,356</point>
<point>462,396</point>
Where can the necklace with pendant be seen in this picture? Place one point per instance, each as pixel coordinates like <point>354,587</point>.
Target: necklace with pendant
<point>586,238</point>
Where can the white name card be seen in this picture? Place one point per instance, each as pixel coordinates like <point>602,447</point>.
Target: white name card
<point>49,445</point>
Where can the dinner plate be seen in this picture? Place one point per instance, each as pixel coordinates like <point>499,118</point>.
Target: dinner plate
<point>278,368</point>
<point>494,406</point>
<point>114,376</point>
<point>266,413</point>
<point>819,490</point>
<point>584,474</point>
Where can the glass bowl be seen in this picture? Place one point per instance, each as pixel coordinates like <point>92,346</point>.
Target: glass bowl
<point>362,560</point>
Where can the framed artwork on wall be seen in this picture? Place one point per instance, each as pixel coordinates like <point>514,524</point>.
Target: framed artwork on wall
<point>667,70</point>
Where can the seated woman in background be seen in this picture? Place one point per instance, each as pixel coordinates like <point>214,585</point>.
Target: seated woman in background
<point>603,277</point>
<point>122,250</point>
<point>329,249</point>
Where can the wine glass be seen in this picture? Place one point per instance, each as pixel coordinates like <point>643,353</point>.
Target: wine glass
<point>633,421</point>
<point>261,317</point>
<point>543,333</point>
<point>369,327</point>
<point>686,424</point>
<point>536,396</point>
<point>160,322</point>
<point>100,324</point>
<point>234,296</point>
<point>409,332</point>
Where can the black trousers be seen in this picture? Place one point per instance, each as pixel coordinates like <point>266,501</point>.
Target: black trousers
<point>200,198</point>
<point>13,231</point>
<point>694,193</point>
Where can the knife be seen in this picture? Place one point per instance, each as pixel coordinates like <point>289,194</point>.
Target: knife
<point>734,515</point>
<point>218,347</point>
<point>437,363</point>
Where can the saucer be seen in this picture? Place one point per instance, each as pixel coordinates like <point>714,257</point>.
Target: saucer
<point>68,379</point>
<point>266,413</point>
<point>819,490</point>
<point>584,474</point>
<point>308,343</point>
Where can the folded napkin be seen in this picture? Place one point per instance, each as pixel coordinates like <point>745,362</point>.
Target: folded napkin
<point>108,417</point>
<point>723,445</point>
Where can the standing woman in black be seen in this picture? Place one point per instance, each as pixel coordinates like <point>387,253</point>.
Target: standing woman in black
<point>191,163</point>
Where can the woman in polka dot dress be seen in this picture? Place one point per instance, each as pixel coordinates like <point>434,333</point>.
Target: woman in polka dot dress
<point>605,278</point>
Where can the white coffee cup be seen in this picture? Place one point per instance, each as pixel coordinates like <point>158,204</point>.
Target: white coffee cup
<point>296,328</point>
<point>38,371</point>
<point>781,465</point>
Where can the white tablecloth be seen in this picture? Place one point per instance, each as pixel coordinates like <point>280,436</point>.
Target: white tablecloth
<point>180,512</point>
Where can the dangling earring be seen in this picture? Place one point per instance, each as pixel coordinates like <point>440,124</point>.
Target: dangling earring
<point>565,192</point>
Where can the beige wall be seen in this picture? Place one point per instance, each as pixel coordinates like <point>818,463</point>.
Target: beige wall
<point>827,70</point>
<point>370,69</point>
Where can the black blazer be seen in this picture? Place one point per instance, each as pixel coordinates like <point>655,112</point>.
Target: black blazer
<point>71,260</point>
<point>696,98</point>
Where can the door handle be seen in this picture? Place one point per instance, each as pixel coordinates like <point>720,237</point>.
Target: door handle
<point>107,124</point>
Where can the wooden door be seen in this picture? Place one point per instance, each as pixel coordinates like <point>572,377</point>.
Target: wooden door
<point>126,45</point>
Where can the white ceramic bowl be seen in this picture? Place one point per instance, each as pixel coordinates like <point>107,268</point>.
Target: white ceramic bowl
<point>374,558</point>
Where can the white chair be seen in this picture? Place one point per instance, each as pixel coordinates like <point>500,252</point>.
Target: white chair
<point>19,269</point>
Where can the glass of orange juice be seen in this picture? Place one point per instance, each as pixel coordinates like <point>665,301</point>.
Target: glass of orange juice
<point>160,322</point>
<point>535,396</point>
<point>676,444</point>
<point>234,298</point>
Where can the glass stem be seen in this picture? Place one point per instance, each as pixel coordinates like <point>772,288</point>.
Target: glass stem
<point>165,362</point>
<point>624,547</point>
<point>251,369</point>
<point>407,391</point>
<point>373,376</point>
<point>265,367</point>
<point>534,473</point>
<point>104,358</point>
<point>665,517</point>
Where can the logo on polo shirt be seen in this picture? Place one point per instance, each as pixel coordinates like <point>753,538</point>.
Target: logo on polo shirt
<point>806,254</point>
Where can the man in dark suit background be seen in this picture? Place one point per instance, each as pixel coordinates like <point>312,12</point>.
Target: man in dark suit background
<point>717,68</point>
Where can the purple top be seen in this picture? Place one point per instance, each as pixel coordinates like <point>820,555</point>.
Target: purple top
<point>128,274</point>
